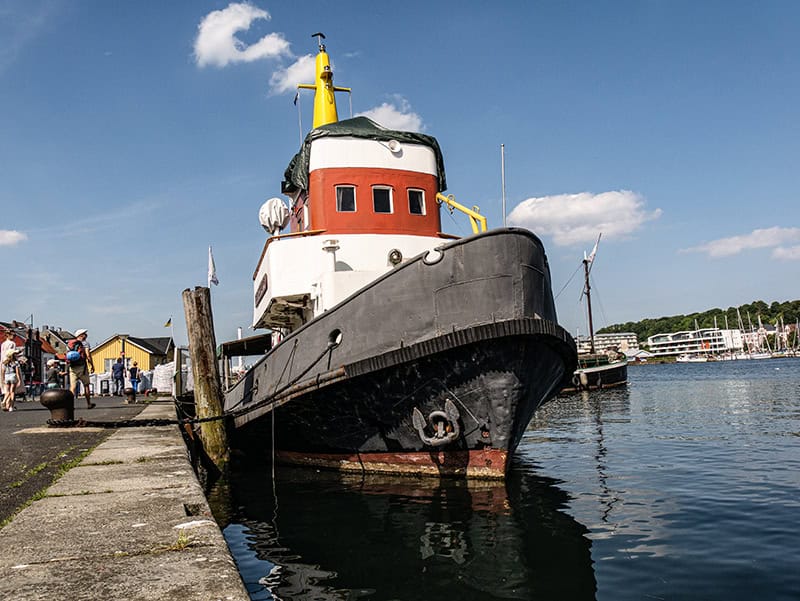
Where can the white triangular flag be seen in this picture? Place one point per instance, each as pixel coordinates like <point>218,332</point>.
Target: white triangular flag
<point>212,270</point>
<point>590,258</point>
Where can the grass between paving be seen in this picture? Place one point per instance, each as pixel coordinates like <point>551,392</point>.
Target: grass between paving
<point>184,542</point>
<point>60,470</point>
<point>29,474</point>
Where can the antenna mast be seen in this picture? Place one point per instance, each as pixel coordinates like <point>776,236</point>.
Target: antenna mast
<point>503,178</point>
<point>324,100</point>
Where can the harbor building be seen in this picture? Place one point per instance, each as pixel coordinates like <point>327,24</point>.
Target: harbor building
<point>147,352</point>
<point>623,341</point>
<point>704,341</point>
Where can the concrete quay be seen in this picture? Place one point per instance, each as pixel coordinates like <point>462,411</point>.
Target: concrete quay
<point>130,521</point>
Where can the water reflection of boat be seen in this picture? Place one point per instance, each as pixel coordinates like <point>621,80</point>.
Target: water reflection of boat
<point>401,538</point>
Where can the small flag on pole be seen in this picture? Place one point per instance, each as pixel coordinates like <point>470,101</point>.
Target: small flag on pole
<point>590,258</point>
<point>296,98</point>
<point>169,323</point>
<point>212,270</point>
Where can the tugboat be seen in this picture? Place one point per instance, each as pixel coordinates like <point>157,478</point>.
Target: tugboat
<point>397,348</point>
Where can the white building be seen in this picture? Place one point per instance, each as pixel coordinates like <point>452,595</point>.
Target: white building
<point>623,341</point>
<point>711,341</point>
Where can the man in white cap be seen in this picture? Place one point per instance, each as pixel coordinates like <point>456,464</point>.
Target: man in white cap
<point>79,359</point>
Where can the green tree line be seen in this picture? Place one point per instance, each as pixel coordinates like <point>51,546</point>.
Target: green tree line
<point>789,311</point>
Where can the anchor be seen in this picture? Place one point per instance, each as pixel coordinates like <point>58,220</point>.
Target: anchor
<point>443,424</point>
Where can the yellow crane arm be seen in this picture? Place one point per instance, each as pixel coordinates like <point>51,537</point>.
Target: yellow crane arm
<point>476,220</point>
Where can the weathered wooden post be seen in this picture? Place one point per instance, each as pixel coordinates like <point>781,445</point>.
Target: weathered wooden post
<point>207,389</point>
<point>177,380</point>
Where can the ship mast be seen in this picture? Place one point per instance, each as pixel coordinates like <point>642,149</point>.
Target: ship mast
<point>587,289</point>
<point>324,98</point>
<point>587,292</point>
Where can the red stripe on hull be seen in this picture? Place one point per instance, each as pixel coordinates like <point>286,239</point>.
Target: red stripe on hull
<point>485,463</point>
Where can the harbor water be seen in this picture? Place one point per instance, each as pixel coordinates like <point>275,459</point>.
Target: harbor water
<point>684,485</point>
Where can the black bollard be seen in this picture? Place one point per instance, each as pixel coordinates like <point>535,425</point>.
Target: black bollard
<point>130,396</point>
<point>61,404</point>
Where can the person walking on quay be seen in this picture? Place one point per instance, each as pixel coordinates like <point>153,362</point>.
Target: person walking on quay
<point>79,359</point>
<point>11,379</point>
<point>118,374</point>
<point>53,377</point>
<point>134,373</point>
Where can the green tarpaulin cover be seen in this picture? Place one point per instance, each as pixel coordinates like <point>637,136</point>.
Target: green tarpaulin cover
<point>296,175</point>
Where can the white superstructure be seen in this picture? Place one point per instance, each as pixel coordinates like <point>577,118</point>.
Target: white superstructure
<point>303,276</point>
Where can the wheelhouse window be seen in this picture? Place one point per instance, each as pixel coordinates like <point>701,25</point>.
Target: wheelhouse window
<point>382,199</point>
<point>345,199</point>
<point>416,202</point>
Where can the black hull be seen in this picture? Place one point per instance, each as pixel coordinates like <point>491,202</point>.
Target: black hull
<point>472,328</point>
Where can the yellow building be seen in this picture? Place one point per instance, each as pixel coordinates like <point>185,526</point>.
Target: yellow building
<point>147,352</point>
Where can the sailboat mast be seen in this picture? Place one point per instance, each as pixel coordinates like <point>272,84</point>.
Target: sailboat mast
<point>745,345</point>
<point>796,333</point>
<point>587,292</point>
<point>763,339</point>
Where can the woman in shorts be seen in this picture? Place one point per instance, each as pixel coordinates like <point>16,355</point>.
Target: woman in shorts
<point>11,378</point>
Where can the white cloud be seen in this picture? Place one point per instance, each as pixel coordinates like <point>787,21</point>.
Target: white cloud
<point>579,218</point>
<point>791,253</point>
<point>11,237</point>
<point>396,115</point>
<point>303,70</point>
<point>761,238</point>
<point>216,43</point>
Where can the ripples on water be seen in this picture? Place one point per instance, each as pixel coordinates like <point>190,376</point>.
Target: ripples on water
<point>686,485</point>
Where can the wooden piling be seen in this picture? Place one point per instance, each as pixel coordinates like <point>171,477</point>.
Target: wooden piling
<point>208,396</point>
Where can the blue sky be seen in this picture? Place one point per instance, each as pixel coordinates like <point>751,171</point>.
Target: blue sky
<point>135,134</point>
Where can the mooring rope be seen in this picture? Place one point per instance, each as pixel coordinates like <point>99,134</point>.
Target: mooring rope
<point>125,423</point>
<point>140,423</point>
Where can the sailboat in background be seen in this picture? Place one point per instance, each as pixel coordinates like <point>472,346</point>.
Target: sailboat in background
<point>764,350</point>
<point>607,369</point>
<point>745,352</point>
<point>781,339</point>
<point>752,343</point>
<point>796,346</point>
